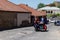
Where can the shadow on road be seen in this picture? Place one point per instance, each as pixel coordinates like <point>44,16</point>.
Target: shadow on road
<point>42,31</point>
<point>4,28</point>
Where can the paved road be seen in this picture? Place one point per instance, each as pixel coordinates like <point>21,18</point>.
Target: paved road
<point>52,34</point>
<point>29,34</point>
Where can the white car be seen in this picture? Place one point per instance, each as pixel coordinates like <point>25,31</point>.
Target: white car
<point>52,21</point>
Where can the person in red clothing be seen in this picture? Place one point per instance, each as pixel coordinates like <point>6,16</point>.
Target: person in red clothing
<point>36,21</point>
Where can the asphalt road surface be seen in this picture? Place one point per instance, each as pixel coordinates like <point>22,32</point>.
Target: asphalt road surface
<point>29,33</point>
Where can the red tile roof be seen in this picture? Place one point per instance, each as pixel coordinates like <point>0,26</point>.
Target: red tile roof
<point>34,12</point>
<point>9,6</point>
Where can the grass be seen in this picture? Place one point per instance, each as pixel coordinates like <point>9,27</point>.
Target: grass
<point>50,15</point>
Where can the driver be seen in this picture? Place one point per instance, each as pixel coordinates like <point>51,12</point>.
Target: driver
<point>36,22</point>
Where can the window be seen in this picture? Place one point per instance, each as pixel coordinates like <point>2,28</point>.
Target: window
<point>47,11</point>
<point>51,11</point>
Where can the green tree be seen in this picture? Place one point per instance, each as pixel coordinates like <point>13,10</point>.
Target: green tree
<point>40,5</point>
<point>59,6</point>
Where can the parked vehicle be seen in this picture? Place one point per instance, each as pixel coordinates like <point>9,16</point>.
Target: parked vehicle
<point>51,21</point>
<point>57,23</point>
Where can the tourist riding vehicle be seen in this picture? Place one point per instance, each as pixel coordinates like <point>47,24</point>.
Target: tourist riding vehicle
<point>40,27</point>
<point>40,24</point>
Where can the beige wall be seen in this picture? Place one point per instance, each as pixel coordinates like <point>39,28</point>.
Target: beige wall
<point>21,17</point>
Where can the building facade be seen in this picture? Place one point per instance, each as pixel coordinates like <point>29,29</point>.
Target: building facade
<point>12,15</point>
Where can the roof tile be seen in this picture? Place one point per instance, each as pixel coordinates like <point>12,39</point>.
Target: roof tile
<point>9,6</point>
<point>34,12</point>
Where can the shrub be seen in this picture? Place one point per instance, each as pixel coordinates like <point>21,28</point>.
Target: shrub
<point>49,15</point>
<point>53,14</point>
<point>58,14</point>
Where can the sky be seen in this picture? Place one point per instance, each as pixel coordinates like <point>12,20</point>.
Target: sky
<point>32,3</point>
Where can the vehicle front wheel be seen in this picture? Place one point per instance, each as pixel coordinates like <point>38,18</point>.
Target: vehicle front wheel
<point>36,29</point>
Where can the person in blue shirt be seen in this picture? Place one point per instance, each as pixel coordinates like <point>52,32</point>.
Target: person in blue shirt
<point>42,19</point>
